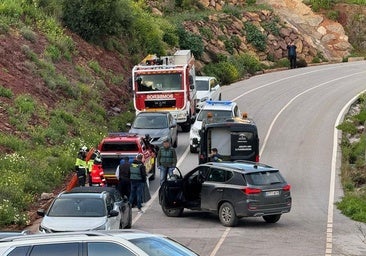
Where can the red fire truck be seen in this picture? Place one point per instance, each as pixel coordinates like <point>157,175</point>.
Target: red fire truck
<point>166,84</point>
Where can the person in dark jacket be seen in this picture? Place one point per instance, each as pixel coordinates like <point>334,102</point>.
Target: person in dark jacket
<point>123,175</point>
<point>138,180</point>
<point>215,156</point>
<point>291,53</point>
<point>167,160</point>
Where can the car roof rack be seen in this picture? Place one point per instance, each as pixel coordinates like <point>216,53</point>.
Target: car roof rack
<point>219,102</point>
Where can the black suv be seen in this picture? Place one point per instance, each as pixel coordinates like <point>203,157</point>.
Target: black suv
<point>230,189</point>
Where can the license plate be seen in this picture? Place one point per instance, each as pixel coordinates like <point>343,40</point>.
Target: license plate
<point>273,193</point>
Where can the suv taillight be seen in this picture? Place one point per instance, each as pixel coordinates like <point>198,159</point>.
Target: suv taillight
<point>251,191</point>
<point>287,187</point>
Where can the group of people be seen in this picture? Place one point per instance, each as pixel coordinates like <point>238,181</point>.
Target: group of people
<point>84,164</point>
<point>132,176</point>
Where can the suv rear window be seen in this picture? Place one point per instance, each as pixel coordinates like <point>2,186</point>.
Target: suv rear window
<point>264,178</point>
<point>120,146</point>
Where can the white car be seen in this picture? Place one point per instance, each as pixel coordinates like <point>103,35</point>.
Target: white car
<point>208,88</point>
<point>220,111</point>
<point>94,243</point>
<point>87,208</point>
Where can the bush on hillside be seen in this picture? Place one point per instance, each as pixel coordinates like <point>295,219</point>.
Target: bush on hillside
<point>94,19</point>
<point>255,36</point>
<point>225,71</point>
<point>188,40</point>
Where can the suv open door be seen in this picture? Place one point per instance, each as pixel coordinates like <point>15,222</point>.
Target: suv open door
<point>236,139</point>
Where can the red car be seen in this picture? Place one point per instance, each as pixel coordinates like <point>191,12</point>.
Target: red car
<point>116,146</point>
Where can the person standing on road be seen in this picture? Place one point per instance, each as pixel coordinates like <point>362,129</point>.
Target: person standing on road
<point>138,180</point>
<point>81,166</point>
<point>291,53</point>
<point>123,176</point>
<point>167,160</point>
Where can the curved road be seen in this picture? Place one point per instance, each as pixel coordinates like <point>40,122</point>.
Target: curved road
<point>296,112</point>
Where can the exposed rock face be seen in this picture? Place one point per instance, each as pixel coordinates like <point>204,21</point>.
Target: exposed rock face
<point>311,33</point>
<point>326,35</point>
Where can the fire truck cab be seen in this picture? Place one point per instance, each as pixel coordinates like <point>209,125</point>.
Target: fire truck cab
<point>166,84</point>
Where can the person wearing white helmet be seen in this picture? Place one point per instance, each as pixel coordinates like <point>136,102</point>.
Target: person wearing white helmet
<point>81,166</point>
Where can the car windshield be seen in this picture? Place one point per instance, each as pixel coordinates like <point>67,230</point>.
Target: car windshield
<point>77,207</point>
<point>159,82</point>
<point>150,122</point>
<point>119,146</point>
<point>264,178</point>
<point>156,246</point>
<point>217,115</point>
<point>202,85</point>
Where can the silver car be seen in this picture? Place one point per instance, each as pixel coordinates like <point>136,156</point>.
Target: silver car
<point>87,208</point>
<point>158,125</point>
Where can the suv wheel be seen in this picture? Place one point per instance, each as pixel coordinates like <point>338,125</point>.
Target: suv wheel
<point>272,218</point>
<point>172,212</point>
<point>129,222</point>
<point>227,215</point>
<point>175,144</point>
<point>192,149</point>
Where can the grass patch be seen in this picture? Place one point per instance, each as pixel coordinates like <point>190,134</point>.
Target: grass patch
<point>353,169</point>
<point>5,92</point>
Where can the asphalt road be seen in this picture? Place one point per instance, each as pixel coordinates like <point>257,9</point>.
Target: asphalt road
<point>296,112</point>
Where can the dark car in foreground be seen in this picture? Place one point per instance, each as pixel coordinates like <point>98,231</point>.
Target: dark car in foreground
<point>230,189</point>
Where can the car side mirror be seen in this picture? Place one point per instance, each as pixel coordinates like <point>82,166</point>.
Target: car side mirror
<point>129,125</point>
<point>41,212</point>
<point>113,213</point>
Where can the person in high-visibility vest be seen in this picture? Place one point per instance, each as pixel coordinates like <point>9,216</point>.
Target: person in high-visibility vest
<point>81,166</point>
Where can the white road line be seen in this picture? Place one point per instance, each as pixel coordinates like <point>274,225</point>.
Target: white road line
<point>336,136</point>
<point>219,243</point>
<point>224,235</point>
<point>293,99</point>
<point>155,195</point>
<point>280,80</point>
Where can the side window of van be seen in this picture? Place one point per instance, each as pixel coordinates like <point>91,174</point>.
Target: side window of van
<point>60,249</point>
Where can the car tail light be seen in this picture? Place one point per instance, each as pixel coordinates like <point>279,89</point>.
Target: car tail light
<point>251,191</point>
<point>287,187</point>
<point>257,158</point>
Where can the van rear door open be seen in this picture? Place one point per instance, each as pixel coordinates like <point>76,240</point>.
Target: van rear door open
<point>234,141</point>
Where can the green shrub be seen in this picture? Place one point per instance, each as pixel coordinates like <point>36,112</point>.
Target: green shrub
<point>53,52</point>
<point>94,19</point>
<point>235,11</point>
<point>28,34</point>
<point>353,207</point>
<point>347,127</point>
<point>4,92</point>
<point>255,36</point>
<point>333,15</point>
<point>94,65</point>
<point>246,63</point>
<point>25,104</point>
<point>188,40</point>
<point>272,27</point>
<point>225,71</point>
